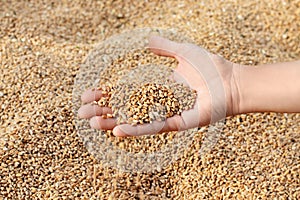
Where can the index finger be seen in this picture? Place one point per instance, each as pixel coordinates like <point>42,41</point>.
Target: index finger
<point>91,95</point>
<point>163,47</point>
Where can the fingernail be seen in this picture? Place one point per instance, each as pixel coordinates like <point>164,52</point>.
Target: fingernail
<point>80,114</point>
<point>94,123</point>
<point>118,133</point>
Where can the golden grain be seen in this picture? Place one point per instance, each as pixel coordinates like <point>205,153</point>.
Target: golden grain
<point>42,45</point>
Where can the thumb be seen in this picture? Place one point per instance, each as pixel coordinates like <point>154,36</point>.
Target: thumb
<point>163,47</point>
<point>143,129</point>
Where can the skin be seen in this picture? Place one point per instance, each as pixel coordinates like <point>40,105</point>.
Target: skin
<point>240,89</point>
<point>270,88</point>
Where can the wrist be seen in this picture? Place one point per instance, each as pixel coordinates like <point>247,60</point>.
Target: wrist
<point>234,102</point>
<point>255,90</point>
<point>244,89</point>
<point>246,85</point>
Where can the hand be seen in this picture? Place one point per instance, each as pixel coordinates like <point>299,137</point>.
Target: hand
<point>213,77</point>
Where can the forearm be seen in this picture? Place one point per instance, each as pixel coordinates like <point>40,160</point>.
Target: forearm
<point>269,88</point>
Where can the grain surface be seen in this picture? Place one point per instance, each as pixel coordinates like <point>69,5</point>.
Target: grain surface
<point>43,44</point>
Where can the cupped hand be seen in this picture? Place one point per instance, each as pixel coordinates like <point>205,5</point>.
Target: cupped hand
<point>214,78</point>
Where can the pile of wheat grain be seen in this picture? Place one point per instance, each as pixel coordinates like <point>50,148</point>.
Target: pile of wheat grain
<point>43,44</point>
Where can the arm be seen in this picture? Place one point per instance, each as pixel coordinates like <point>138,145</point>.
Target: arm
<point>270,87</point>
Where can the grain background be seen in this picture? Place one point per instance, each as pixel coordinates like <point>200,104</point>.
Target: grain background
<point>42,45</point>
